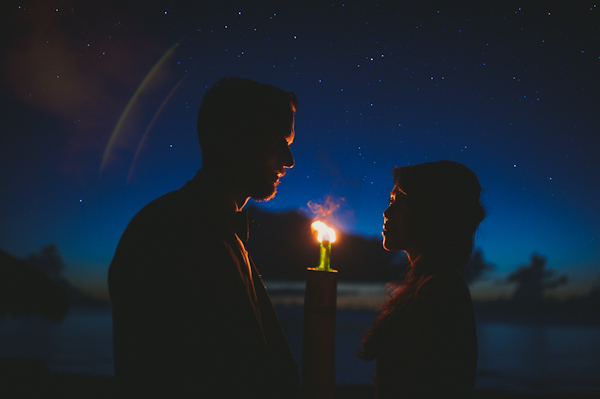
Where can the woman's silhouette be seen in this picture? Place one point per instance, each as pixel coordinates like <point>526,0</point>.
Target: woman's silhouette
<point>424,340</point>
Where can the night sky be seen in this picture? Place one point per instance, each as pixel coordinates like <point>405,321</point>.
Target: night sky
<point>99,107</point>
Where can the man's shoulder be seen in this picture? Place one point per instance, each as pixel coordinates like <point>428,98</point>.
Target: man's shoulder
<point>171,230</point>
<point>176,208</point>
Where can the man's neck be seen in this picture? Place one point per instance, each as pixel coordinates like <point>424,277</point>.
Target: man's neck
<point>228,190</point>
<point>241,202</point>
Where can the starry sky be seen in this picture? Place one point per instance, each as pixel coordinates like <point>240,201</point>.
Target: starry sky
<point>99,102</point>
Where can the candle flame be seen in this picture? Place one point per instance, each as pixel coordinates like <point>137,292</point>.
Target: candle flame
<point>325,233</point>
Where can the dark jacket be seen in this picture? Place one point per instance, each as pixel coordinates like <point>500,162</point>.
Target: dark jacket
<point>432,350</point>
<point>187,317</point>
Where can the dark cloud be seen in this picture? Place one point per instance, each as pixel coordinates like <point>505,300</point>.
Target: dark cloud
<point>533,280</point>
<point>48,261</point>
<point>283,246</point>
<point>476,267</point>
<point>26,291</point>
<point>530,304</point>
<point>80,66</point>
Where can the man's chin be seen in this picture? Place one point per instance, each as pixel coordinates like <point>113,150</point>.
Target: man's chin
<point>265,194</point>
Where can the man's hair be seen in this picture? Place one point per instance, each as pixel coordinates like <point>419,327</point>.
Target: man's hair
<point>236,111</point>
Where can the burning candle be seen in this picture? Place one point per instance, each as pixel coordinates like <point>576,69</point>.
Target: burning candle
<point>326,235</point>
<point>320,299</point>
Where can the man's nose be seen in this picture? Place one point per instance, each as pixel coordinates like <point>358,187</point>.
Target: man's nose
<point>287,159</point>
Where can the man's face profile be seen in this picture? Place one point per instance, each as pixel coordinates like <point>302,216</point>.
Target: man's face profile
<point>266,164</point>
<point>245,129</point>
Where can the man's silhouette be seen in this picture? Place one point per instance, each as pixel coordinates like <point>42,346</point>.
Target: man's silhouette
<point>190,312</point>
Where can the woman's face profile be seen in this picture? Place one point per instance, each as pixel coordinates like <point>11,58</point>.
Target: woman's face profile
<point>399,226</point>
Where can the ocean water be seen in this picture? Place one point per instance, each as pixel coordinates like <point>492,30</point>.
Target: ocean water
<point>80,344</point>
<point>539,358</point>
<point>515,357</point>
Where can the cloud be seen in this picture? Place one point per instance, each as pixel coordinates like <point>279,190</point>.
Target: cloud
<point>80,66</point>
<point>529,304</point>
<point>48,261</point>
<point>533,280</point>
<point>476,267</point>
<point>283,246</point>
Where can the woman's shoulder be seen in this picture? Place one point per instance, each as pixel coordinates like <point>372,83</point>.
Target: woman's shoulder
<point>443,286</point>
<point>444,299</point>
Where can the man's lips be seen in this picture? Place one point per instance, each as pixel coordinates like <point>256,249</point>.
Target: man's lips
<point>277,175</point>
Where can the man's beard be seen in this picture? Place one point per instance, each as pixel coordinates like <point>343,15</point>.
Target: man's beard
<point>264,191</point>
<point>260,180</point>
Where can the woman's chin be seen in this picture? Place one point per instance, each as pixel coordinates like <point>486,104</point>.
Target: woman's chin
<point>387,245</point>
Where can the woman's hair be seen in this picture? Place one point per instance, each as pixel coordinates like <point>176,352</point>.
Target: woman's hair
<point>444,198</point>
